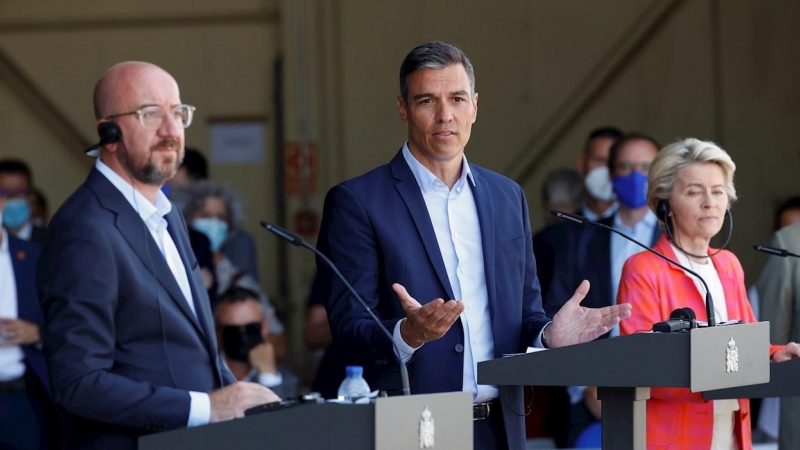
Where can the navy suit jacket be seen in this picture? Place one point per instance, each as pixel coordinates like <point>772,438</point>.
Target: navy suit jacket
<point>23,259</point>
<point>376,228</point>
<point>123,347</point>
<point>585,255</point>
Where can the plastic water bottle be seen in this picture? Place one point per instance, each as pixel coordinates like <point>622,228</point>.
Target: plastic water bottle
<point>354,386</point>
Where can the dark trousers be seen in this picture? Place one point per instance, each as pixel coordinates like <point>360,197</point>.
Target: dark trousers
<point>27,418</point>
<point>490,433</point>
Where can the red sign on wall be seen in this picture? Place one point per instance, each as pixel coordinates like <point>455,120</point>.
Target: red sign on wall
<point>300,169</point>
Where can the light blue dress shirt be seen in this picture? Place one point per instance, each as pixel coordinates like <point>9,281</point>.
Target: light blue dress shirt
<point>622,249</point>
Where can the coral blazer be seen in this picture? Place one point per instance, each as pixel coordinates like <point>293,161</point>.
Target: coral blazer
<point>676,417</point>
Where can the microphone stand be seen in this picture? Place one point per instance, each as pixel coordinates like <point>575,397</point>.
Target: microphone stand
<point>298,241</point>
<point>580,220</point>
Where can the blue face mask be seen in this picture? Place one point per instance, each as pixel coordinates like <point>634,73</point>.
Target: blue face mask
<point>16,213</point>
<point>215,230</point>
<point>631,189</point>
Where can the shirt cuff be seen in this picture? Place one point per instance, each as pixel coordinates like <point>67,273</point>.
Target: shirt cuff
<point>406,351</point>
<point>538,342</point>
<point>269,379</point>
<point>199,409</point>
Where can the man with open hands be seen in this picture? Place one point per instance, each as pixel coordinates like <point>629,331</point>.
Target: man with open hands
<point>441,249</point>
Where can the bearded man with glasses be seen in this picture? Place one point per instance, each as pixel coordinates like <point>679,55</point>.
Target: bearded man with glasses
<point>129,333</point>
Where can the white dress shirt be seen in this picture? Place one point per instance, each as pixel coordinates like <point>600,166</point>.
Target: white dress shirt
<point>152,214</point>
<point>12,365</point>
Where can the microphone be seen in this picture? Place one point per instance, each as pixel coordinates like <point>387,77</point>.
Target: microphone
<point>298,241</point>
<point>774,251</point>
<point>712,321</point>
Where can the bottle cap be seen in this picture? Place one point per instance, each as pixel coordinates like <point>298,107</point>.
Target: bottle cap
<point>354,371</point>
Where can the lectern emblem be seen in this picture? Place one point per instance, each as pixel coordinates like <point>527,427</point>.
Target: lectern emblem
<point>732,359</point>
<point>426,429</point>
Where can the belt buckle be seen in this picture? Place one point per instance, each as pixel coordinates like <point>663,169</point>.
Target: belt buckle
<point>480,411</point>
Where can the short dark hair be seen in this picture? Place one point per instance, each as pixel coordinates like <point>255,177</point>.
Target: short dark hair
<point>16,166</point>
<point>791,203</point>
<point>433,55</point>
<point>195,164</point>
<point>613,133</point>
<point>613,152</point>
<point>235,294</point>
<point>563,186</point>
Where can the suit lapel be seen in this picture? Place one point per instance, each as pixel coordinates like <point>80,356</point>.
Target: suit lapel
<point>176,229</point>
<point>484,206</point>
<point>409,191</point>
<point>603,249</point>
<point>140,241</point>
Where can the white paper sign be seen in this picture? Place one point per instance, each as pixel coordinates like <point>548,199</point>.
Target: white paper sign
<point>238,142</point>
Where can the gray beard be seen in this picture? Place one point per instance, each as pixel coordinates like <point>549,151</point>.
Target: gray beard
<point>148,173</point>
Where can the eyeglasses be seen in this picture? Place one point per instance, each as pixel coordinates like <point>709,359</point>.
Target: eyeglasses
<point>153,116</point>
<point>16,193</point>
<point>627,166</point>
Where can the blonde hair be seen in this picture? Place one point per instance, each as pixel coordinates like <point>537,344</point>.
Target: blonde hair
<point>677,156</point>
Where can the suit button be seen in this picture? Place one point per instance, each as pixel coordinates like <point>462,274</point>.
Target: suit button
<point>459,348</point>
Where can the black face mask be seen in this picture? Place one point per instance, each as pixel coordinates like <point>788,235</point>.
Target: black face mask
<point>238,340</point>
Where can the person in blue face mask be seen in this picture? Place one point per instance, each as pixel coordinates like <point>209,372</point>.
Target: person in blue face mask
<point>598,255</point>
<point>215,212</point>
<point>16,187</point>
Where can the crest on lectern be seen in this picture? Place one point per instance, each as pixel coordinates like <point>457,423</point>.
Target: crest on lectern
<point>426,429</point>
<point>732,357</point>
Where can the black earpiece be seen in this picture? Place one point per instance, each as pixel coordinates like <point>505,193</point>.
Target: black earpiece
<point>109,133</point>
<point>662,210</point>
<point>685,313</point>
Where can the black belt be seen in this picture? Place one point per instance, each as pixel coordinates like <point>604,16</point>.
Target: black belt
<point>9,386</point>
<point>482,411</point>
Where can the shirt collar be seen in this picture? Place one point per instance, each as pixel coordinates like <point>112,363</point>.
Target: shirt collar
<point>147,211</point>
<point>25,231</point>
<point>4,242</point>
<point>425,178</point>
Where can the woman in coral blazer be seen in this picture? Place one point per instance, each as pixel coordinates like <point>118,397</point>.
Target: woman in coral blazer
<point>691,188</point>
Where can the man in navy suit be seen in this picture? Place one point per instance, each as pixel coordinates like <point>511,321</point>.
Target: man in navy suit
<point>129,335</point>
<point>27,417</point>
<point>598,255</point>
<point>444,229</point>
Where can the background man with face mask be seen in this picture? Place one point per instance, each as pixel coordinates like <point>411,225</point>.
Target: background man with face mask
<point>598,255</point>
<point>241,333</point>
<point>599,201</point>
<point>17,184</point>
<point>27,416</point>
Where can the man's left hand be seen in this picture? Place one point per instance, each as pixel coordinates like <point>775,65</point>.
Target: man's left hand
<point>18,332</point>
<point>574,324</point>
<point>792,350</point>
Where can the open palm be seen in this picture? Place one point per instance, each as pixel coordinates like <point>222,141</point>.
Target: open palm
<point>575,324</point>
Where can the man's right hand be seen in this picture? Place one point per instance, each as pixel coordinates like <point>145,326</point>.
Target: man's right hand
<point>231,401</point>
<point>425,323</point>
